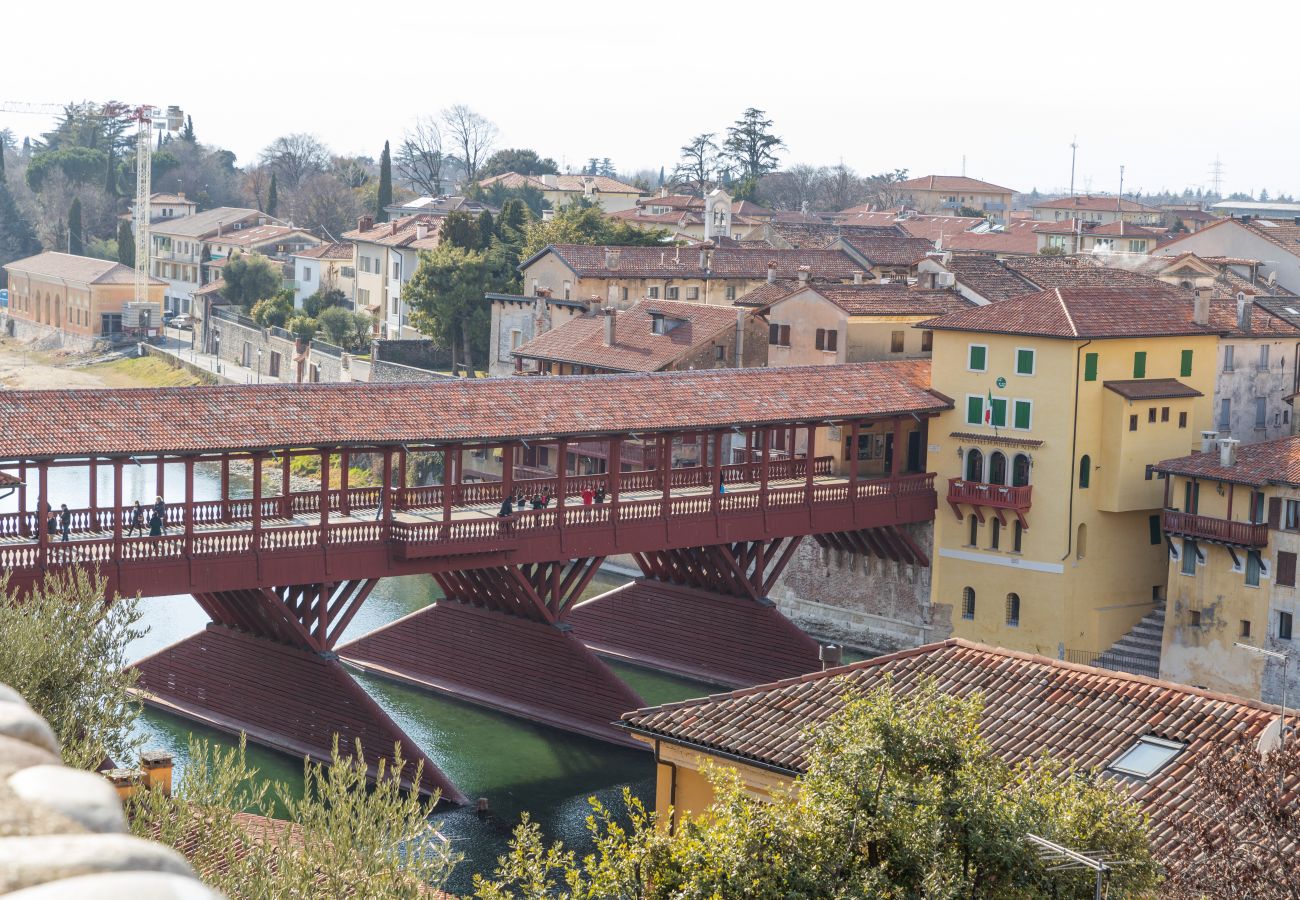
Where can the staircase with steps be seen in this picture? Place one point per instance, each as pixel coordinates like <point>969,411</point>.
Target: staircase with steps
<point>1138,651</point>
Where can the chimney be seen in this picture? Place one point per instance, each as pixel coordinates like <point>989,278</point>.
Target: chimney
<point>261,220</point>
<point>1207,440</point>
<point>157,767</point>
<point>421,230</point>
<point>1200,307</point>
<point>610,333</point>
<point>804,271</point>
<point>551,181</point>
<point>771,272</point>
<point>612,255</point>
<point>392,227</point>
<point>125,781</point>
<point>1244,310</point>
<point>857,277</point>
<point>181,194</point>
<point>220,225</point>
<point>365,223</point>
<point>1228,452</point>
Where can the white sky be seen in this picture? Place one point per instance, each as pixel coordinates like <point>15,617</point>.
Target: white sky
<point>1157,87</point>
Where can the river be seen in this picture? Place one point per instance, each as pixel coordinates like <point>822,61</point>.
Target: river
<point>518,766</point>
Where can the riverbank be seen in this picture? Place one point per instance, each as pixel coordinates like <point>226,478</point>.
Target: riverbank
<point>25,368</point>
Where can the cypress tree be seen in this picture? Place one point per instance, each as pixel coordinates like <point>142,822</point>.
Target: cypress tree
<point>485,229</point>
<point>76,239</point>
<point>272,197</point>
<point>385,198</point>
<point>110,175</point>
<point>125,244</point>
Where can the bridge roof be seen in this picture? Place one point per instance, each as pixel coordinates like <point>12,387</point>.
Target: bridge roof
<point>108,422</point>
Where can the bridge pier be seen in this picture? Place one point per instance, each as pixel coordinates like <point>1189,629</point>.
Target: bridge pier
<point>500,638</point>
<point>265,667</point>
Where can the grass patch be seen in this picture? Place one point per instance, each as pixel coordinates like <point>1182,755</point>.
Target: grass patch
<point>144,371</point>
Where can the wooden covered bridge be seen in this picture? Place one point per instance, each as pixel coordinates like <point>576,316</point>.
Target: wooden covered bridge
<point>707,479</point>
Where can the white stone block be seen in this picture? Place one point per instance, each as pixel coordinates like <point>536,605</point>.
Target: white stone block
<point>84,797</point>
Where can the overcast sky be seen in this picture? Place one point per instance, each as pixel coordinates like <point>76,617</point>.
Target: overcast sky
<point>1159,88</point>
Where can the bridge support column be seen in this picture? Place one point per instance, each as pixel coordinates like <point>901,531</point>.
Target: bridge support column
<point>266,667</point>
<point>500,639</point>
<point>702,612</point>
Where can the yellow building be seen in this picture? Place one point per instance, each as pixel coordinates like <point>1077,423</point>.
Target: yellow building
<point>1232,518</point>
<point>80,295</point>
<point>1050,541</point>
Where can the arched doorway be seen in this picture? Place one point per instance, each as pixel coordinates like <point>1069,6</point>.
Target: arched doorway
<point>997,468</point>
<point>1020,470</point>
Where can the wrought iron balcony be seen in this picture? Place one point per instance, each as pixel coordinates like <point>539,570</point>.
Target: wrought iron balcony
<point>1220,531</point>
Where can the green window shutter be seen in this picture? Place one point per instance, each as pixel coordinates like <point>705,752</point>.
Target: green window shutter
<point>1089,367</point>
<point>1154,522</point>
<point>1140,364</point>
<point>1024,362</point>
<point>1185,370</point>
<point>974,410</point>
<point>999,416</point>
<point>1022,413</point>
<point>978,356</point>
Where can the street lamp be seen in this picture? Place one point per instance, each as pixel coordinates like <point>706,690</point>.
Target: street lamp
<point>1286,659</point>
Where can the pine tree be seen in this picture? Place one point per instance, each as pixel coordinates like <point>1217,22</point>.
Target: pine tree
<point>385,197</point>
<point>125,244</point>
<point>272,197</point>
<point>76,238</point>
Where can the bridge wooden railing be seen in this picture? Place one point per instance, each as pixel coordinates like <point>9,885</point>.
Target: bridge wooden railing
<point>277,538</point>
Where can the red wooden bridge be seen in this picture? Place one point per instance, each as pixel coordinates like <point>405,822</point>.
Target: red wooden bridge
<point>745,464</point>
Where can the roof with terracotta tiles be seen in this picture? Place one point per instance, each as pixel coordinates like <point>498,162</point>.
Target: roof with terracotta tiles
<point>952,183</point>
<point>1151,389</point>
<point>886,250</point>
<point>769,292</point>
<point>1125,229</point>
<point>260,235</point>
<point>1019,236</point>
<point>576,183</point>
<point>205,224</point>
<point>1267,462</point>
<point>328,250</point>
<point>1076,271</point>
<point>891,299</point>
<point>1266,319</point>
<point>636,348</point>
<point>1084,313</point>
<point>684,262</point>
<point>403,232</point>
<point>821,235</point>
<point>1282,232</point>
<point>929,227</point>
<point>80,269</point>
<point>74,423</point>
<point>1094,203</point>
<point>1033,705</point>
<point>988,277</point>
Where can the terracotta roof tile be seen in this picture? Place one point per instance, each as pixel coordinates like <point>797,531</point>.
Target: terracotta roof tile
<point>886,250</point>
<point>1267,462</point>
<point>1083,312</point>
<point>403,232</point>
<point>168,420</point>
<point>952,183</point>
<point>636,348</point>
<point>768,293</point>
<point>987,276</point>
<point>339,250</point>
<point>81,269</point>
<point>684,262</point>
<point>576,183</point>
<point>821,235</point>
<point>261,234</point>
<point>1032,705</point>
<point>1151,389</point>
<point>1099,203</point>
<point>891,299</point>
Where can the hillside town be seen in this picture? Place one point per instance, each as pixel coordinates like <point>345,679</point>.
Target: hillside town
<point>722,526</point>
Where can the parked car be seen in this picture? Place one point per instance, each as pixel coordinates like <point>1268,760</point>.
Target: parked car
<point>168,315</point>
<point>184,321</point>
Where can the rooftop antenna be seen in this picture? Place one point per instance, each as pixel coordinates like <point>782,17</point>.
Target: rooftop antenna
<point>1074,152</point>
<point>963,165</point>
<point>1119,201</point>
<point>1216,176</point>
<point>1063,858</point>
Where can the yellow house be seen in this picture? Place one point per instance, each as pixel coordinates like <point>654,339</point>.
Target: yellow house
<point>1050,541</point>
<point>80,295</point>
<point>1232,519</point>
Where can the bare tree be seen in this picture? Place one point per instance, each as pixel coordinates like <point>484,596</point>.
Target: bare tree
<point>884,191</point>
<point>699,162</point>
<point>295,157</point>
<point>420,158</point>
<point>326,204</point>
<point>472,135</point>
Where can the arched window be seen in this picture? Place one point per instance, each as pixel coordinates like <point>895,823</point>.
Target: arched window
<point>974,465</point>
<point>995,535</point>
<point>1085,470</point>
<point>998,468</point>
<point>1081,544</point>
<point>1020,470</point>
<point>1013,610</point>
<point>968,603</point>
<point>974,531</point>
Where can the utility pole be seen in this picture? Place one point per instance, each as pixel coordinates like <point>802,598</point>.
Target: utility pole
<point>1216,176</point>
<point>1074,152</point>
<point>1119,201</point>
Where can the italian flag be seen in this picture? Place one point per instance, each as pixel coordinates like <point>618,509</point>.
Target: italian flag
<point>988,410</point>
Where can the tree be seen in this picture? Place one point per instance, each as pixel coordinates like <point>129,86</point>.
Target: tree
<point>582,222</point>
<point>79,165</point>
<point>324,202</point>
<point>272,311</point>
<point>302,326</point>
<point>295,157</point>
<point>1242,838</point>
<point>472,135</point>
<point>883,191</point>
<point>699,160</point>
<point>125,244</point>
<point>345,328</point>
<point>187,132</point>
<point>751,145</point>
<point>65,651</point>
<point>322,300</point>
<point>76,236</point>
<point>385,196</point>
<point>902,798</point>
<point>343,837</point>
<point>461,229</point>
<point>523,161</point>
<point>249,278</point>
<point>446,298</point>
<point>420,159</point>
<point>272,197</point>
<point>17,238</point>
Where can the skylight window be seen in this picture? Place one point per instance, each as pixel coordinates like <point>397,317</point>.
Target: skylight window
<point>1148,756</point>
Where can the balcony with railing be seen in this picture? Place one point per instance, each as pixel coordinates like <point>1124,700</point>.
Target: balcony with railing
<point>982,495</point>
<point>1215,530</point>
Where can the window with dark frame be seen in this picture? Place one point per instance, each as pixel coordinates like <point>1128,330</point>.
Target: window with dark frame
<point>1284,622</point>
<point>1133,423</point>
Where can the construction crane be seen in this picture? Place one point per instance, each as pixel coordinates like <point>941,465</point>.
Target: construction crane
<point>147,119</point>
